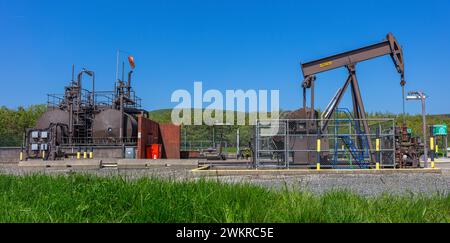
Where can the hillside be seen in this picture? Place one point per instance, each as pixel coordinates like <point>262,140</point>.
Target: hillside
<point>13,123</point>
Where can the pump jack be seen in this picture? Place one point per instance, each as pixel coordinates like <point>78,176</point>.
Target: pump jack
<point>349,59</point>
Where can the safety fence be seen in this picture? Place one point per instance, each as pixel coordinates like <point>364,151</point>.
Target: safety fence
<point>335,143</point>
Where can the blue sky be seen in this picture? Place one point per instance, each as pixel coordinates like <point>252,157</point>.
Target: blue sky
<point>226,45</point>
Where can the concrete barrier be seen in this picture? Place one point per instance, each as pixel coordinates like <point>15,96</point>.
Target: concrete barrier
<point>9,155</point>
<point>146,163</point>
<point>62,164</point>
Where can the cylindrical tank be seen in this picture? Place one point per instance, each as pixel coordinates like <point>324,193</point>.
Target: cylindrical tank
<point>107,124</point>
<point>55,116</point>
<point>52,116</point>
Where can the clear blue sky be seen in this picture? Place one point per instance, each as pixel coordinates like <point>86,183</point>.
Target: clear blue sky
<point>226,44</point>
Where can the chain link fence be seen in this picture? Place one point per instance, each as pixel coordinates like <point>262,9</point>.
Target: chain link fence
<point>334,143</point>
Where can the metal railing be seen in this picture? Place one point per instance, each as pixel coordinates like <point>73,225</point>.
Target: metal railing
<point>83,141</point>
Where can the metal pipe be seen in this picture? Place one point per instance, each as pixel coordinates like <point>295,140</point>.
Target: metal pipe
<point>424,129</point>
<point>117,70</point>
<point>93,88</point>
<point>123,71</point>
<point>129,84</point>
<point>304,98</point>
<point>312,99</point>
<point>73,72</point>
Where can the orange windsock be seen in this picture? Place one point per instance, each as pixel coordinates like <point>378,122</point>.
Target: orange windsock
<point>131,61</point>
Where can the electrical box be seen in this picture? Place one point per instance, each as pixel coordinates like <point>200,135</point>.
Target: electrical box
<point>34,147</point>
<point>35,134</point>
<point>44,134</point>
<point>130,153</point>
<point>44,147</point>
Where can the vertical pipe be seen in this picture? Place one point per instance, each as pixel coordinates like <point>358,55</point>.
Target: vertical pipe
<point>424,130</point>
<point>123,71</point>
<point>121,118</point>
<point>312,99</point>
<point>73,72</point>
<point>304,99</point>
<point>93,88</point>
<point>116,80</point>
<point>117,67</point>
<point>71,108</point>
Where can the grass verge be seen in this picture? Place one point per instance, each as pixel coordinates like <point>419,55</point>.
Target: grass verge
<point>87,198</point>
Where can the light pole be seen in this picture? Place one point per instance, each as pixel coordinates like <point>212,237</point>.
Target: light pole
<point>419,95</point>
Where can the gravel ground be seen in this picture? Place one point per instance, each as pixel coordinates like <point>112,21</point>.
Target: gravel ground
<point>364,184</point>
<point>367,184</point>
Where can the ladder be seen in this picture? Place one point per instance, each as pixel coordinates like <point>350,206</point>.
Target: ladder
<point>360,155</point>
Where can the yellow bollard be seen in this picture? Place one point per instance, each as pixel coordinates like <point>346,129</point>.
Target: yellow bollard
<point>43,154</point>
<point>84,155</point>
<point>91,155</point>
<point>21,156</point>
<point>377,166</point>
<point>78,155</point>
<point>318,154</point>
<point>432,164</point>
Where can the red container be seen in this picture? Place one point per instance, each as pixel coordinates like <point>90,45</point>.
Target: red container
<point>153,151</point>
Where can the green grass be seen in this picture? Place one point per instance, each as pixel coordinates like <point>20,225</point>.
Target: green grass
<point>83,198</point>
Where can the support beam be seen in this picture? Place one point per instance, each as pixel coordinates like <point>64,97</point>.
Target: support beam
<point>333,107</point>
<point>390,46</point>
<point>361,110</point>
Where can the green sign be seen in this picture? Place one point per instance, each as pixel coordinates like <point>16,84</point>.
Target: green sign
<point>440,130</point>
<point>409,130</point>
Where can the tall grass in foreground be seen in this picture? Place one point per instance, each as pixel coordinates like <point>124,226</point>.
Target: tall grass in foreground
<point>84,198</point>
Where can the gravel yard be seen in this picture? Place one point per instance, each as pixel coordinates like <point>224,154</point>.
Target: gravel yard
<point>364,184</point>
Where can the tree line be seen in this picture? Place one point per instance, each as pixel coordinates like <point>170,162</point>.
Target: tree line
<point>13,123</point>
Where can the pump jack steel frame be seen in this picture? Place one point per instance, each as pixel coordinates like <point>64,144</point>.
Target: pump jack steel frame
<point>349,59</point>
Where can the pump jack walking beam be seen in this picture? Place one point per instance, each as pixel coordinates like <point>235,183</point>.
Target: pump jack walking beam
<point>349,59</point>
